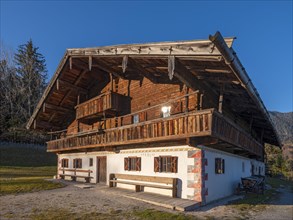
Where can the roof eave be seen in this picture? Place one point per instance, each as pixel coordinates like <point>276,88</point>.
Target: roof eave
<point>232,60</point>
<point>47,90</point>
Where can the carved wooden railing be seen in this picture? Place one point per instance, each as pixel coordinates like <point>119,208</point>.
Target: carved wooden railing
<point>192,124</point>
<point>106,101</point>
<point>171,128</point>
<point>226,130</point>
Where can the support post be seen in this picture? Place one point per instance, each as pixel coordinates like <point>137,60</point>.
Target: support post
<point>124,63</point>
<point>70,63</point>
<point>221,97</point>
<point>90,62</point>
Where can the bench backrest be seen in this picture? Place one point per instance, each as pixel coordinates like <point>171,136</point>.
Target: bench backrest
<point>154,179</point>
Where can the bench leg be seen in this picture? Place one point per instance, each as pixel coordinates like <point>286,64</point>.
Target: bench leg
<point>87,179</point>
<point>138,188</point>
<point>73,178</point>
<point>174,190</point>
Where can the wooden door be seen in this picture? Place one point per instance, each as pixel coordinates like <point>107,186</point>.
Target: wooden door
<point>101,169</point>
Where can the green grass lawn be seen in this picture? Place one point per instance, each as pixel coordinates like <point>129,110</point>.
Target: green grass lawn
<point>26,179</point>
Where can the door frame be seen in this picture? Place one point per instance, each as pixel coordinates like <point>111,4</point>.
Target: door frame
<point>98,158</point>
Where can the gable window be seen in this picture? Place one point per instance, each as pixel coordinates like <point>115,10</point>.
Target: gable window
<point>166,111</point>
<point>166,164</point>
<point>135,119</point>
<point>132,163</point>
<point>219,166</point>
<point>77,163</point>
<point>64,163</point>
<point>91,161</point>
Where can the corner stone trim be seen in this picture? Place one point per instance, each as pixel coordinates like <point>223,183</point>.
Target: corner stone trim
<point>197,175</point>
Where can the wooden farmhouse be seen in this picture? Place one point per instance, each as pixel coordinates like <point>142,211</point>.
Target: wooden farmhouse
<point>176,118</point>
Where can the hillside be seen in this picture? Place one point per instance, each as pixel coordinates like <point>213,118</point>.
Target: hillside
<point>25,155</point>
<point>284,125</point>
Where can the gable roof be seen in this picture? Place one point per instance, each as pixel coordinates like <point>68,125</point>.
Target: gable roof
<point>212,61</point>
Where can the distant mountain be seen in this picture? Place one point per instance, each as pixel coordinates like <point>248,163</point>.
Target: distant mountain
<point>284,124</point>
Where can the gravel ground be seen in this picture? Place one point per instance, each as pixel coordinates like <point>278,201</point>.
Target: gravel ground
<point>100,199</point>
<point>280,209</point>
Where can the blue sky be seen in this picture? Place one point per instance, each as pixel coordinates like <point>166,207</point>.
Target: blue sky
<point>263,30</point>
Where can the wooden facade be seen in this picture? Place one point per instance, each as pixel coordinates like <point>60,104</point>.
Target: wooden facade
<point>112,98</point>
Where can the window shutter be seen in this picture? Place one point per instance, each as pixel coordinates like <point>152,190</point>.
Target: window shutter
<point>223,166</point>
<point>156,164</point>
<point>138,164</point>
<point>174,164</point>
<point>126,163</point>
<point>217,165</point>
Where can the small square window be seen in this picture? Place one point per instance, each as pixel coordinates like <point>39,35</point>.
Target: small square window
<point>166,164</point>
<point>135,119</point>
<point>77,163</point>
<point>132,163</point>
<point>91,162</point>
<point>219,166</point>
<point>64,163</point>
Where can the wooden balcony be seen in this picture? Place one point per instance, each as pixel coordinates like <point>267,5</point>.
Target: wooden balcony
<point>204,123</point>
<point>108,103</point>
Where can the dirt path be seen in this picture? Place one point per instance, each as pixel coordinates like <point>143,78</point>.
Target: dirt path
<point>99,201</point>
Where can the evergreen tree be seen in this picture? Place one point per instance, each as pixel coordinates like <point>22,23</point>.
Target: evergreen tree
<point>31,68</point>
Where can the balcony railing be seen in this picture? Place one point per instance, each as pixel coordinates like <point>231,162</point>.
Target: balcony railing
<point>176,127</point>
<point>111,102</point>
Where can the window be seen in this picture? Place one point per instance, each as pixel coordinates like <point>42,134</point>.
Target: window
<point>77,163</point>
<point>219,166</point>
<point>64,163</point>
<point>166,111</point>
<point>166,164</point>
<point>91,161</point>
<point>135,119</point>
<point>243,166</point>
<point>132,163</point>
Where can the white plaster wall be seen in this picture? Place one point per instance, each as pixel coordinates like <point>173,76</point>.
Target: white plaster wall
<point>259,167</point>
<point>222,185</point>
<point>115,164</point>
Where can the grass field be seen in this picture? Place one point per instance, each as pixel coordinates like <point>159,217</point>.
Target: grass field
<point>26,179</point>
<point>24,167</point>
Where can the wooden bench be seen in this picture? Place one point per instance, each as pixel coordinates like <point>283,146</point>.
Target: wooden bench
<point>140,182</point>
<point>74,175</point>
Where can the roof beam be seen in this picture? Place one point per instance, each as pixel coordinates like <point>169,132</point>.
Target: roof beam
<point>69,91</point>
<point>191,81</point>
<point>134,65</point>
<point>56,108</point>
<point>70,85</point>
<point>44,124</point>
<point>100,65</point>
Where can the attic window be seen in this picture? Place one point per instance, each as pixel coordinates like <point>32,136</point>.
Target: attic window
<point>135,119</point>
<point>166,111</point>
